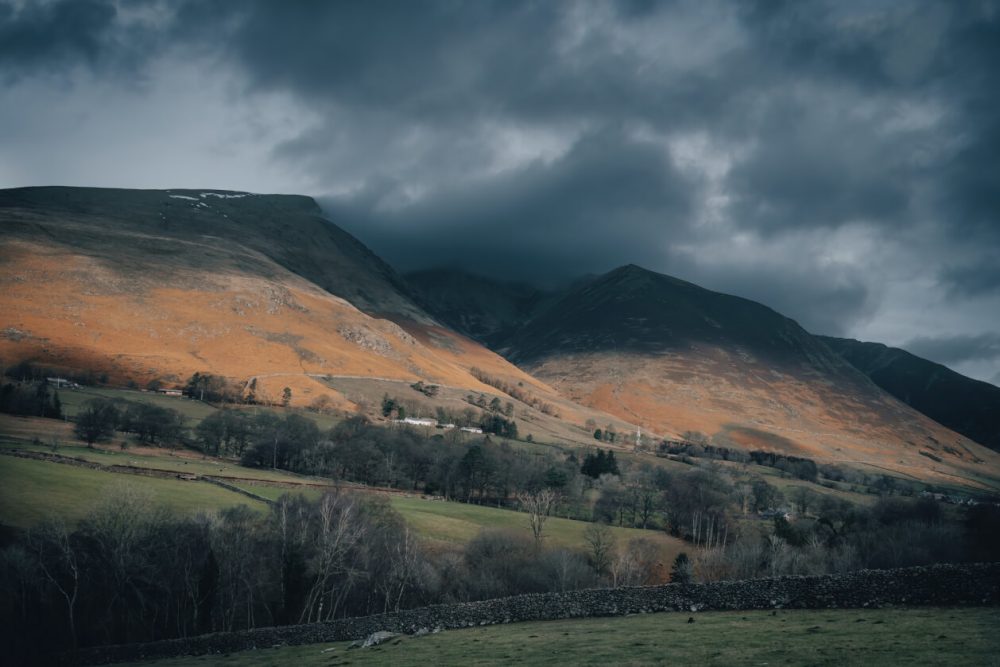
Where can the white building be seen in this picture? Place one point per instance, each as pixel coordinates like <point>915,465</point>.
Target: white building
<point>416,421</point>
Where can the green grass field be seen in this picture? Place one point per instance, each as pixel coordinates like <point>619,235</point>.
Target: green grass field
<point>163,460</point>
<point>459,522</point>
<point>34,489</point>
<point>74,399</point>
<point>914,637</point>
<point>194,411</point>
<point>31,491</point>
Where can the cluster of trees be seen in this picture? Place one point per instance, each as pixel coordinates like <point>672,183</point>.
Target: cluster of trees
<point>494,423</point>
<point>29,371</point>
<point>100,418</point>
<point>30,400</point>
<point>218,389</point>
<point>840,537</point>
<point>493,405</point>
<point>494,418</point>
<point>600,463</point>
<point>696,446</point>
<point>517,392</point>
<point>795,466</point>
<point>132,571</point>
<point>355,450</point>
<point>607,434</point>
<point>429,390</point>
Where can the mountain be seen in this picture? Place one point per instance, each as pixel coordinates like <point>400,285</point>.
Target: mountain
<point>634,310</point>
<point>672,357</point>
<point>143,285</point>
<point>964,405</point>
<point>483,309</point>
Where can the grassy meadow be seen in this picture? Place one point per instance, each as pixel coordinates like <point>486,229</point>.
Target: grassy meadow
<point>31,491</point>
<point>884,637</point>
<point>459,522</point>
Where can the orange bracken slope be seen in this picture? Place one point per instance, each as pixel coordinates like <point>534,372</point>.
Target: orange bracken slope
<point>161,284</point>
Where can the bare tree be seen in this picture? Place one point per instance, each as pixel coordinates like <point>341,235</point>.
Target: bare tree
<point>623,569</point>
<point>602,546</point>
<point>57,560</point>
<point>404,557</point>
<point>538,505</point>
<point>339,529</point>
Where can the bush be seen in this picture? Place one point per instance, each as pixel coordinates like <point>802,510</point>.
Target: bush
<point>96,422</point>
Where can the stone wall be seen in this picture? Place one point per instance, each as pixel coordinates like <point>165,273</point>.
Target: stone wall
<point>967,584</point>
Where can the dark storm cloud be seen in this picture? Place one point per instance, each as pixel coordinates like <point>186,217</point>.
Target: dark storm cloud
<point>836,160</point>
<point>597,206</point>
<point>55,37</point>
<point>40,35</point>
<point>440,60</point>
<point>811,167</point>
<point>956,349</point>
<point>975,279</point>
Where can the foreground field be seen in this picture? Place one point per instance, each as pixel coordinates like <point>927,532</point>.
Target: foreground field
<point>813,637</point>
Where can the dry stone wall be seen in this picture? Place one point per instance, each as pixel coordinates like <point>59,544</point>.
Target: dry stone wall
<point>936,585</point>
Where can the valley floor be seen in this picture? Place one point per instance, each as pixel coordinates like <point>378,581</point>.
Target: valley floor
<point>925,636</point>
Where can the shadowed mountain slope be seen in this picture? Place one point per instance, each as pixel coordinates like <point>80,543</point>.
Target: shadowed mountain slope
<point>631,309</point>
<point>965,405</point>
<point>480,308</point>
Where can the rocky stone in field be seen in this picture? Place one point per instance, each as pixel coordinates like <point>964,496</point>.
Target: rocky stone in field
<point>374,639</point>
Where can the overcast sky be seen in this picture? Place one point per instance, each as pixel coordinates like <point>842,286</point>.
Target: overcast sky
<point>836,161</point>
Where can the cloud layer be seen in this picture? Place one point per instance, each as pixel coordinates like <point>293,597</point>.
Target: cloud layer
<point>835,160</point>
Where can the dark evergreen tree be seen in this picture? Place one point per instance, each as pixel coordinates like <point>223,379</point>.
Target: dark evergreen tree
<point>682,570</point>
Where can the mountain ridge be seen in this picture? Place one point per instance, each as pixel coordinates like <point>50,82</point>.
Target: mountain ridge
<point>143,285</point>
<point>156,285</point>
<point>966,405</point>
<point>674,357</point>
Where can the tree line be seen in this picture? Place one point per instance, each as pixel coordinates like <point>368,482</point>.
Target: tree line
<point>132,571</point>
<point>31,400</point>
<point>100,418</point>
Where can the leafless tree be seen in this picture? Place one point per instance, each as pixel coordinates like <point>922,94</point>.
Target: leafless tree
<point>602,546</point>
<point>538,505</point>
<point>404,566</point>
<point>338,531</point>
<point>58,562</point>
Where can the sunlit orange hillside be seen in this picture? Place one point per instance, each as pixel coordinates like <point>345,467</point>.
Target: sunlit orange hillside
<point>144,285</point>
